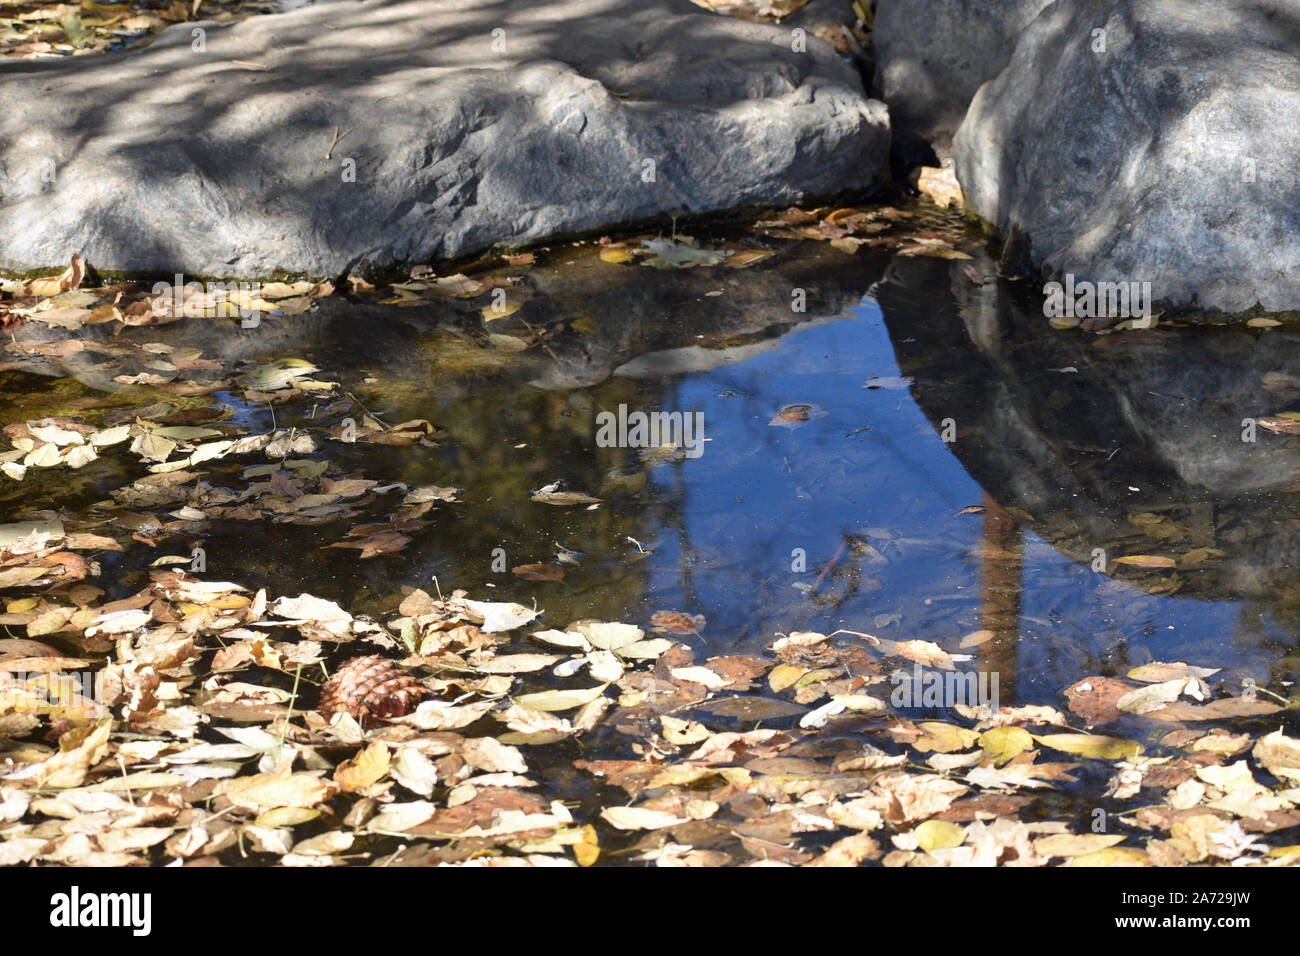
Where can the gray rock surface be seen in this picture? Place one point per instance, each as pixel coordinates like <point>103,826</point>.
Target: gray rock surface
<point>218,160</point>
<point>1171,157</point>
<point>932,55</point>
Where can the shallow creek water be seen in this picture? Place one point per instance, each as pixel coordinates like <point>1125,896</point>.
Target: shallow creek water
<point>956,472</point>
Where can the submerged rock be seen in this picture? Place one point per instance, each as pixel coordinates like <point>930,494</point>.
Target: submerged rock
<point>347,136</point>
<point>1149,141</point>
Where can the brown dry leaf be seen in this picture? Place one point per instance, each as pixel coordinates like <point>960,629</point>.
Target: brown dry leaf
<point>1025,715</point>
<point>70,279</point>
<point>1158,673</point>
<point>905,798</point>
<point>1221,709</point>
<point>849,851</point>
<point>793,416</point>
<point>79,750</point>
<point>140,685</point>
<point>1095,698</point>
<point>539,572</point>
<point>1146,561</point>
<point>1279,425</point>
<point>737,670</point>
<point>384,542</point>
<point>676,622</point>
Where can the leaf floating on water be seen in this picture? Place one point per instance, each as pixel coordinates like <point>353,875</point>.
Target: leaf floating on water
<point>752,708</point>
<point>1076,844</point>
<point>430,493</point>
<point>500,615</point>
<point>1097,746</point>
<point>549,497</point>
<point>683,732</point>
<point>1279,424</point>
<point>608,635</point>
<point>648,649</point>
<point>365,768</point>
<point>639,818</point>
<point>1113,856</point>
<point>793,416</point>
<point>266,791</point>
<point>553,700</point>
<point>384,542</point>
<point>1152,696</point>
<point>671,254</point>
<point>943,738</point>
<point>1279,754</point>
<point>571,639</point>
<point>1146,561</point>
<point>939,835</point>
<point>676,622</point>
<point>925,652</point>
<point>1157,672</point>
<point>1004,743</point>
<point>517,663</point>
<point>539,572</point>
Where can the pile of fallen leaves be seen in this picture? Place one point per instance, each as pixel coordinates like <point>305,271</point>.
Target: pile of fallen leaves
<point>851,229</point>
<point>201,742</point>
<point>33,30</point>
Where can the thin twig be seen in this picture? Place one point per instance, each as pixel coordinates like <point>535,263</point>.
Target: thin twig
<point>329,154</point>
<point>844,543</point>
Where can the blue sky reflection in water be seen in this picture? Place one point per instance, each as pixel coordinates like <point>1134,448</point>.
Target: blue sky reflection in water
<point>870,486</point>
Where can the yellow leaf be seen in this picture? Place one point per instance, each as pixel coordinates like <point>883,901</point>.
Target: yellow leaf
<point>1092,745</point>
<point>1003,743</point>
<point>266,791</point>
<point>783,676</point>
<point>943,738</point>
<point>939,835</point>
<point>682,732</point>
<point>286,817</point>
<point>588,849</point>
<point>1076,844</point>
<point>1111,856</point>
<point>364,769</point>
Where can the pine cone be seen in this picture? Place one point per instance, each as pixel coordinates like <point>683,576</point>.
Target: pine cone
<point>371,688</point>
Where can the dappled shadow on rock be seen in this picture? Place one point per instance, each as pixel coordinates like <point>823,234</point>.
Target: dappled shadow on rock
<point>352,136</point>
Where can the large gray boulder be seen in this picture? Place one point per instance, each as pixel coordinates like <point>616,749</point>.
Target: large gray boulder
<point>932,55</point>
<point>461,124</point>
<point>1149,141</point>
